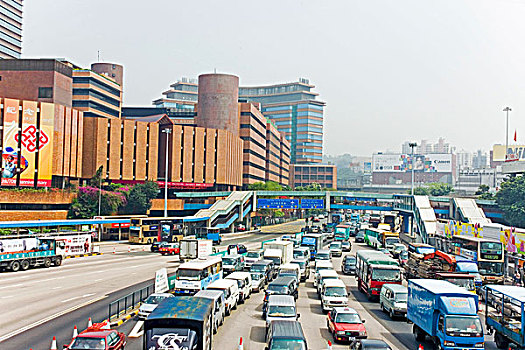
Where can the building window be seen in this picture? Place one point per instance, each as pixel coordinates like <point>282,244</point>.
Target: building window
<point>45,92</point>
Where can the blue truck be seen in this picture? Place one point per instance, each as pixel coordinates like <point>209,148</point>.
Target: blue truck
<point>446,313</point>
<point>505,314</point>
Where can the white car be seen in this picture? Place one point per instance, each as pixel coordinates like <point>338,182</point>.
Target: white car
<point>244,281</point>
<point>333,294</point>
<point>258,281</point>
<point>151,303</point>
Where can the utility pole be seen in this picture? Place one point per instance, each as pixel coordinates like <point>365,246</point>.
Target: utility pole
<point>507,109</point>
<point>412,145</point>
<point>167,131</point>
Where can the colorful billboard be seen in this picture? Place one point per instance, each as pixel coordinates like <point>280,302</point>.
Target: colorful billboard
<point>431,163</point>
<point>45,151</point>
<point>515,152</point>
<point>10,144</point>
<point>28,142</point>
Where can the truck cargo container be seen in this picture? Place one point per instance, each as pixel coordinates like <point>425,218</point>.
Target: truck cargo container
<point>194,249</point>
<point>22,253</point>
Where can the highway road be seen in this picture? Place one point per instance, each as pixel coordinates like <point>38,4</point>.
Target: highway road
<point>41,303</point>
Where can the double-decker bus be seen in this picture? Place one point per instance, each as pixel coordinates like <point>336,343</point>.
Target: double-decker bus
<point>117,231</point>
<point>193,276</point>
<point>373,237</point>
<point>488,255</point>
<point>342,232</point>
<point>312,241</point>
<point>149,230</point>
<point>373,269</point>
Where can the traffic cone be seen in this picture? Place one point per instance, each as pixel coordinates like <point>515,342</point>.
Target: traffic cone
<point>53,344</point>
<point>75,332</point>
<point>90,323</point>
<point>142,248</point>
<point>420,347</point>
<point>129,249</point>
<point>114,250</point>
<point>329,345</point>
<point>240,345</point>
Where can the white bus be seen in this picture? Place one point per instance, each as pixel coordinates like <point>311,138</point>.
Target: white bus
<point>196,275</point>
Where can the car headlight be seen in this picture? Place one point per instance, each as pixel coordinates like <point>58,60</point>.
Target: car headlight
<point>479,345</point>
<point>341,332</point>
<point>362,333</point>
<point>449,343</point>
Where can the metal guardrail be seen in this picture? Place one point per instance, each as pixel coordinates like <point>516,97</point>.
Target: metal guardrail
<point>128,302</point>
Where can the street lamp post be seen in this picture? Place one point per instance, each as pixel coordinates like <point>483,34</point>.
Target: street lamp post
<point>507,109</point>
<point>412,145</point>
<point>167,131</point>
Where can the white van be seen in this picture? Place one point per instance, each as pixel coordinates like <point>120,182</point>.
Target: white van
<point>323,276</point>
<point>230,290</point>
<point>281,308</point>
<point>333,294</point>
<point>292,270</point>
<point>319,266</point>
<point>219,309</point>
<point>244,281</point>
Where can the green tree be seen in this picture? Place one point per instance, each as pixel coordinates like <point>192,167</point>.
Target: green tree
<point>139,198</point>
<point>87,202</point>
<point>420,191</point>
<point>278,213</point>
<point>482,189</point>
<point>511,199</point>
<point>433,189</point>
<point>265,186</point>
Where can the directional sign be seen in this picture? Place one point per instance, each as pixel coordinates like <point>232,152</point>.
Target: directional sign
<point>312,203</point>
<point>277,203</point>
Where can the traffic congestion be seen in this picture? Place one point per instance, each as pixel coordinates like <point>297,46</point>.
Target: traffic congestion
<point>355,283</point>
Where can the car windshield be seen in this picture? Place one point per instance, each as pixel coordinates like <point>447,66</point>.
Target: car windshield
<point>404,255</point>
<point>350,261</point>
<point>277,289</point>
<point>229,261</point>
<point>335,246</point>
<point>335,292</point>
<point>320,268</point>
<point>360,234</point>
<point>462,324</point>
<point>288,344</point>
<point>256,276</point>
<point>322,256</point>
<point>257,268</point>
<point>188,274</point>
<point>425,250</point>
<point>401,297</point>
<point>467,283</point>
<point>253,255</point>
<point>89,343</point>
<point>281,311</point>
<point>298,254</point>
<point>490,268</point>
<point>347,318</point>
<point>392,240</point>
<point>154,299</point>
<point>225,291</point>
<point>386,275</point>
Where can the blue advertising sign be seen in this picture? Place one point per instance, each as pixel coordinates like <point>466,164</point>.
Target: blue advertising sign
<point>277,203</point>
<point>312,203</point>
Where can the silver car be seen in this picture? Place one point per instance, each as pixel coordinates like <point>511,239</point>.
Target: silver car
<point>151,304</point>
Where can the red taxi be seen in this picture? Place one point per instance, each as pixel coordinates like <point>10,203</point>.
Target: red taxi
<point>95,338</point>
<point>345,324</point>
<point>169,249</point>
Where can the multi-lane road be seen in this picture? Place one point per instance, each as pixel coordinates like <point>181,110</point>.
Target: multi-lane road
<point>42,303</point>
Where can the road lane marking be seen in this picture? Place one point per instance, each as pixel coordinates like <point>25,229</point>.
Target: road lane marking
<point>88,295</point>
<point>58,287</point>
<point>98,280</point>
<point>13,285</point>
<point>49,318</point>
<point>66,300</point>
<point>7,296</point>
<point>137,331</point>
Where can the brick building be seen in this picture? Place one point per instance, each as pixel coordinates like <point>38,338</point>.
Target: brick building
<point>306,174</point>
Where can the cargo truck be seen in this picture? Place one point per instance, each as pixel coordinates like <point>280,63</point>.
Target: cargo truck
<point>194,248</point>
<point>22,253</point>
<point>504,315</point>
<point>446,313</point>
<point>280,252</point>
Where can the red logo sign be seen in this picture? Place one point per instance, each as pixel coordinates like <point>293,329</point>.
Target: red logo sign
<point>29,138</point>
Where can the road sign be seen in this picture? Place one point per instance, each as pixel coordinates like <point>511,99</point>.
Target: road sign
<point>312,203</point>
<point>161,281</point>
<point>277,203</point>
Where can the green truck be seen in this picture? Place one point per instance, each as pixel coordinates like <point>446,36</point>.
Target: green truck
<point>22,253</point>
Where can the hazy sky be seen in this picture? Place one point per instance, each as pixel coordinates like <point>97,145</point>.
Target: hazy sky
<point>389,70</point>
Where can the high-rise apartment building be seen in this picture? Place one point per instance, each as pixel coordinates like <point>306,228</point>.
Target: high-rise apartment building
<point>11,28</point>
<point>296,113</point>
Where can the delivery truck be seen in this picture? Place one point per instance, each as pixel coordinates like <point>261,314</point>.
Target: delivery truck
<point>446,313</point>
<point>280,252</point>
<point>183,322</point>
<point>25,252</point>
<point>194,248</point>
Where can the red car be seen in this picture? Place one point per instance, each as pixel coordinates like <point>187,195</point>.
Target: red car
<point>98,339</point>
<point>345,324</point>
<point>169,249</point>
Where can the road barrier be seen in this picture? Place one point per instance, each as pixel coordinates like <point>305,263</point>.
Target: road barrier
<point>129,302</point>
<point>53,344</point>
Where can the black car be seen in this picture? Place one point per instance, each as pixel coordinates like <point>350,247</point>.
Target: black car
<point>370,344</point>
<point>360,237</point>
<point>348,265</point>
<point>266,267</point>
<point>156,246</point>
<point>241,248</point>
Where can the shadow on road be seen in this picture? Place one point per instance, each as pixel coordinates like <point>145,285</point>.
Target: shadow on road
<point>316,309</point>
<point>258,334</point>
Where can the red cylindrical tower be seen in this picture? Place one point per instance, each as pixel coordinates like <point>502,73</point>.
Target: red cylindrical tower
<point>218,102</point>
<point>111,70</point>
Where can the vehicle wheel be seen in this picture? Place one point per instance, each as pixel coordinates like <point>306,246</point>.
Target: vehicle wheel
<point>382,307</point>
<point>58,261</point>
<point>501,342</point>
<point>420,336</point>
<point>437,344</point>
<point>149,241</point>
<point>24,265</point>
<point>47,262</point>
<point>391,314</point>
<point>15,266</point>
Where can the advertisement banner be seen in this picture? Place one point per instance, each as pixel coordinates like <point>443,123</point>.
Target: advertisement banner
<point>20,245</point>
<point>10,145</point>
<point>431,163</point>
<point>161,281</point>
<point>457,228</point>
<point>76,244</point>
<point>28,141</point>
<point>514,152</point>
<point>45,151</point>
<point>514,241</point>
